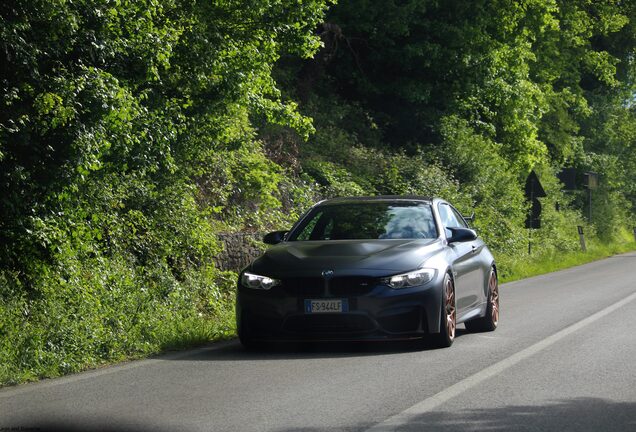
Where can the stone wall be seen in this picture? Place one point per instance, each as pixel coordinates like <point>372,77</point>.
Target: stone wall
<point>239,249</point>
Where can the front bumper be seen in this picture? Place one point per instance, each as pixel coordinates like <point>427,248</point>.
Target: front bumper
<point>375,312</point>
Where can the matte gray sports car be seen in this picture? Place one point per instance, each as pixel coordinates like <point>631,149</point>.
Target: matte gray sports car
<point>370,268</point>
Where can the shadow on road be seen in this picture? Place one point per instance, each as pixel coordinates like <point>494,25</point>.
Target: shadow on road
<point>308,350</point>
<point>70,426</point>
<point>580,415</point>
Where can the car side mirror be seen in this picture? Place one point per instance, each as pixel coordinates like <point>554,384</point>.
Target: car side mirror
<point>274,237</point>
<point>461,235</point>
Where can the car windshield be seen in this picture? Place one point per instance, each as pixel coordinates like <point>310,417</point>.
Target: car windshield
<point>367,220</point>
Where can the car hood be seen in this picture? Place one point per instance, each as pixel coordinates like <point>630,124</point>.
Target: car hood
<point>345,257</point>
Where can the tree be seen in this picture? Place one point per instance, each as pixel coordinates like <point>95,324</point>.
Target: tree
<point>101,98</point>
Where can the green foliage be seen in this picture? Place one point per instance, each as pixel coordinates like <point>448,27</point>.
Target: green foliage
<point>559,218</point>
<point>495,191</point>
<point>92,311</point>
<point>610,212</point>
<point>132,133</point>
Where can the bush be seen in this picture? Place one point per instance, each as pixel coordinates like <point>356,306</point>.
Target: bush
<point>90,311</point>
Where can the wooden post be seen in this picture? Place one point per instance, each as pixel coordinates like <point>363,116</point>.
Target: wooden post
<point>582,238</point>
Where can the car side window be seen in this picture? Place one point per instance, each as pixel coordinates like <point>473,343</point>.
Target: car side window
<point>459,218</point>
<point>449,219</point>
<point>308,232</point>
<point>327,232</point>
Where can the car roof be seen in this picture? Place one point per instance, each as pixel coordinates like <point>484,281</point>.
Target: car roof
<point>344,200</point>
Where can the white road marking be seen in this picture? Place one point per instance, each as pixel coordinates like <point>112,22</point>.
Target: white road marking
<point>25,388</point>
<point>411,414</point>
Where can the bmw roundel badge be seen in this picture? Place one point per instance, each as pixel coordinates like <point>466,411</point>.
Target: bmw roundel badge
<point>327,274</point>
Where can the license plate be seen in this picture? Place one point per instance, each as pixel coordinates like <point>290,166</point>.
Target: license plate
<point>326,306</point>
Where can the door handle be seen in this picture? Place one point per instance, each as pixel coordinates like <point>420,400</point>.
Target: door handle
<point>474,248</point>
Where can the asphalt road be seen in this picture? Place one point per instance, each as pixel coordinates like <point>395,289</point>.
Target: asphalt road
<point>563,359</point>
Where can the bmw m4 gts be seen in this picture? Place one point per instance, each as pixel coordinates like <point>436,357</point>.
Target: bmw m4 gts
<point>370,268</point>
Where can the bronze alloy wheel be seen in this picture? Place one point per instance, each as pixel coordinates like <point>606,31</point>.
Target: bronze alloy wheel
<point>490,320</point>
<point>448,316</point>
<point>449,307</point>
<point>493,288</point>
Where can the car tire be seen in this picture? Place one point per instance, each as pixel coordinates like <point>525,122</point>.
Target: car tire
<point>448,316</point>
<point>490,321</point>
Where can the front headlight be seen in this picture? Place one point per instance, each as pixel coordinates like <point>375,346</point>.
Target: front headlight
<point>414,278</point>
<point>254,281</point>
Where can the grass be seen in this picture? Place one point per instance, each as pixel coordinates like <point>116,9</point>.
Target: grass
<point>176,337</point>
<point>539,264</point>
<point>193,333</point>
<point>19,365</point>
